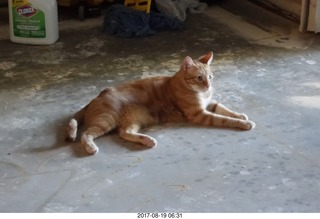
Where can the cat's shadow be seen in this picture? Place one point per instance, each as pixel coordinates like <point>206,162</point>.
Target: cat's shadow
<point>59,130</point>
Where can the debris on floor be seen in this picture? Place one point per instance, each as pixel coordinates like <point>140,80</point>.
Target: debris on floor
<point>178,9</point>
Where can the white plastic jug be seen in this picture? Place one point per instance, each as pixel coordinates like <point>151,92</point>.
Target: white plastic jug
<point>33,21</point>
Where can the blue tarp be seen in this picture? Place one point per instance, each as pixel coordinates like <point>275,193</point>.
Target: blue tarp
<point>127,22</point>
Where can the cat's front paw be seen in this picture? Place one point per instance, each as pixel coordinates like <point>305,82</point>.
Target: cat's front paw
<point>243,116</point>
<point>248,125</point>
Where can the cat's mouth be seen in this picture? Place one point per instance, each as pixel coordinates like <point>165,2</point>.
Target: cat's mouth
<point>201,89</point>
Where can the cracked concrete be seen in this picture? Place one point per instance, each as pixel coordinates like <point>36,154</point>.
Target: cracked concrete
<point>273,168</point>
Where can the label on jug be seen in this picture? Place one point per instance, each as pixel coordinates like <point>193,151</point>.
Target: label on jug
<point>28,21</point>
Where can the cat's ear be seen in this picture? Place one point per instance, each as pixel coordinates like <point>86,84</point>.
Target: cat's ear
<point>206,59</point>
<point>187,63</point>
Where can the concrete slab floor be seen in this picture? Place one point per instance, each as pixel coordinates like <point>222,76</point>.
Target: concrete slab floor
<point>273,168</point>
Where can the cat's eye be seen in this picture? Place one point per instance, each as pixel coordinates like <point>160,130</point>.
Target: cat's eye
<point>199,78</point>
<point>210,77</point>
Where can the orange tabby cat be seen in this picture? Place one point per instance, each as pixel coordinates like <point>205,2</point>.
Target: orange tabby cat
<point>184,97</point>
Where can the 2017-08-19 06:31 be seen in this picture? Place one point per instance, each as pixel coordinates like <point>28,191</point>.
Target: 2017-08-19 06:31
<point>159,215</point>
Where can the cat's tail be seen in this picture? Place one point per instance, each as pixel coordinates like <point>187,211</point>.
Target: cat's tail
<point>72,127</point>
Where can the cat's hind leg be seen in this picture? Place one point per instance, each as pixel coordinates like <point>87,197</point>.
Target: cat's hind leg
<point>130,133</point>
<point>72,127</point>
<point>91,133</point>
<point>71,130</point>
<point>88,136</point>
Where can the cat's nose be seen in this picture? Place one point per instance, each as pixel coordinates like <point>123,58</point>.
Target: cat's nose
<point>206,84</point>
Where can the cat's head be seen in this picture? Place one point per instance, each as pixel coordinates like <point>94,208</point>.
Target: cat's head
<point>197,73</point>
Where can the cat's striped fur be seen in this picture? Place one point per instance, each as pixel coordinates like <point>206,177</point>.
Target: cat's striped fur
<point>184,97</point>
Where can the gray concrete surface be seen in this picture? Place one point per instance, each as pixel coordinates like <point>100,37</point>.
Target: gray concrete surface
<point>273,168</point>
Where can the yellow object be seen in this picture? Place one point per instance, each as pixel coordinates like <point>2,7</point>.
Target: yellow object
<point>141,5</point>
